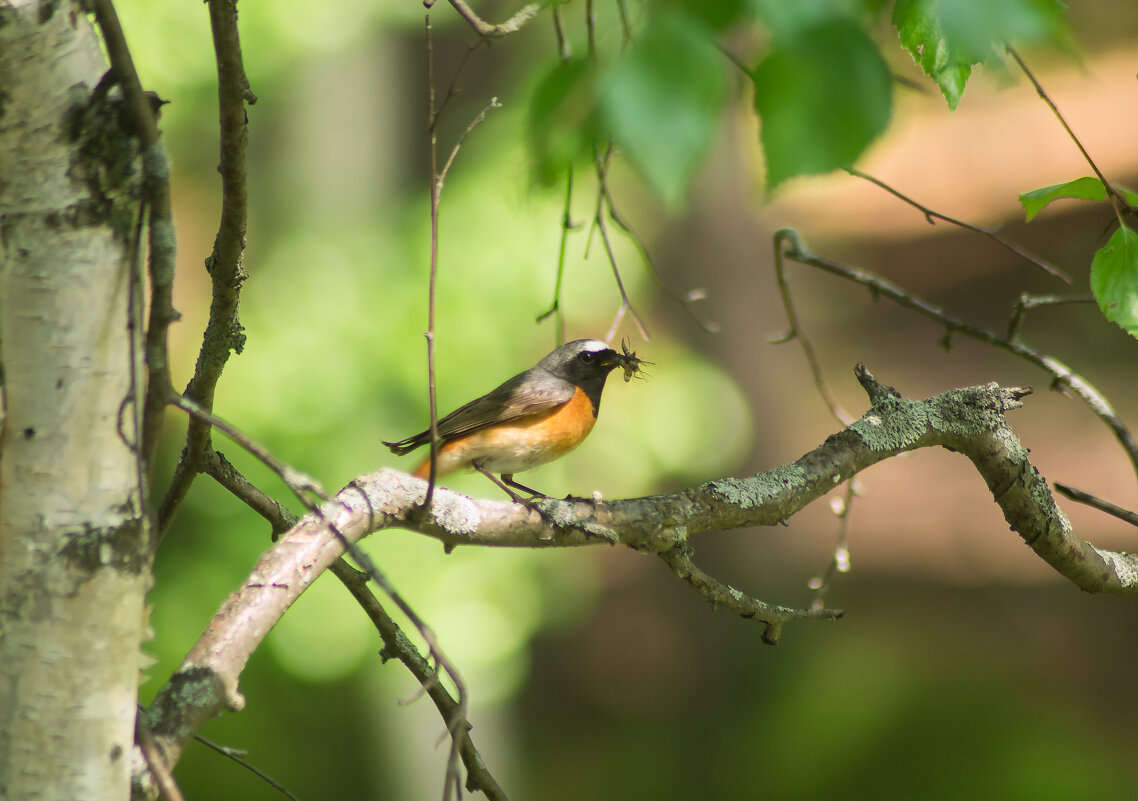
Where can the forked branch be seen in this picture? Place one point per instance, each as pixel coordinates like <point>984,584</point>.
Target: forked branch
<point>969,421</point>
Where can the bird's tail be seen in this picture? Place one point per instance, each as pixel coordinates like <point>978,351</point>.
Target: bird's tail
<point>407,445</point>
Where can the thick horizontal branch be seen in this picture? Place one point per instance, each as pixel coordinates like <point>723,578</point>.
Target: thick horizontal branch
<point>969,421</point>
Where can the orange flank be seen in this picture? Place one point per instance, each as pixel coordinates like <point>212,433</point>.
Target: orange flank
<point>521,444</point>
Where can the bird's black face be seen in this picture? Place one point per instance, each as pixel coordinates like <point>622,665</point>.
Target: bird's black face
<point>582,361</point>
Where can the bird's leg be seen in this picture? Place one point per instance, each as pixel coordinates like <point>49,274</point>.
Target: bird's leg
<point>508,478</point>
<point>500,482</point>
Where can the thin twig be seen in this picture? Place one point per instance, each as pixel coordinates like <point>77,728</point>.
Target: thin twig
<point>795,332</point>
<point>687,301</point>
<point>226,264</point>
<point>395,642</point>
<point>789,244</point>
<point>1116,199</point>
<point>237,756</point>
<point>625,25</point>
<point>840,560</point>
<point>722,595</point>
<point>1098,503</point>
<point>563,50</point>
<point>163,778</point>
<point>591,29</point>
<point>474,123</point>
<point>602,162</point>
<point>302,485</point>
<point>438,179</point>
<point>489,29</point>
<point>156,198</point>
<point>458,724</point>
<point>992,233</point>
<point>299,483</point>
<point>1027,302</point>
<point>452,90</point>
<point>432,143</point>
<point>397,645</point>
<point>567,225</point>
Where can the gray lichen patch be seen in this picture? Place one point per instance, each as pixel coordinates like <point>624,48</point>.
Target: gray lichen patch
<point>892,424</point>
<point>120,547</point>
<point>965,412</point>
<point>753,492</point>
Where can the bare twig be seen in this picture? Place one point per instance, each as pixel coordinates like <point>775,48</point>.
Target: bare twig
<point>567,225</point>
<point>226,264</point>
<point>1098,503</point>
<point>438,179</point>
<point>237,756</point>
<point>156,198</point>
<point>1116,199</point>
<point>687,300</point>
<point>435,192</point>
<point>795,332</point>
<point>395,642</point>
<point>474,123</point>
<point>591,28</point>
<point>723,595</point>
<point>559,31</point>
<point>488,29</point>
<point>601,161</point>
<point>1027,302</point>
<point>992,233</point>
<point>163,779</point>
<point>396,645</point>
<point>625,24</point>
<point>458,722</point>
<point>301,485</point>
<point>840,560</point>
<point>789,244</point>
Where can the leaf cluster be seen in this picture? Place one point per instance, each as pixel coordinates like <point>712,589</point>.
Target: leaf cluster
<point>818,70</point>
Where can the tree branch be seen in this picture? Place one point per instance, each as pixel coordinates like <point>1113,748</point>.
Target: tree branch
<point>789,244</point>
<point>489,29</point>
<point>969,421</point>
<point>226,264</point>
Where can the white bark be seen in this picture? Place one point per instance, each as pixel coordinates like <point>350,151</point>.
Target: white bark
<point>73,556</point>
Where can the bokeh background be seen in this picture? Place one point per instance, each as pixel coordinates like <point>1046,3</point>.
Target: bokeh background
<point>963,665</point>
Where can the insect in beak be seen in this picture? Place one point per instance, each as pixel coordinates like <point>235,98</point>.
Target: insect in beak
<point>629,361</point>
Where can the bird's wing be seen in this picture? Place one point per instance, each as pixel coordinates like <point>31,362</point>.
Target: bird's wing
<point>522,395</point>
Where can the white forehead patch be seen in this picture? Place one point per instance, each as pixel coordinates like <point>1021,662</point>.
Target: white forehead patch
<point>593,345</point>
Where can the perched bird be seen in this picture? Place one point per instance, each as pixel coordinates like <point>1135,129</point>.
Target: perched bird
<point>535,417</point>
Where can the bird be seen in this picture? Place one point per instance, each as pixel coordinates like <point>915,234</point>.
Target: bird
<point>533,418</point>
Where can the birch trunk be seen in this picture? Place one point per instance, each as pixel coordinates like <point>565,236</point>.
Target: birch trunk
<point>74,559</point>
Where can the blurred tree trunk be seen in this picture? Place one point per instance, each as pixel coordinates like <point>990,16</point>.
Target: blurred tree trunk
<point>74,554</point>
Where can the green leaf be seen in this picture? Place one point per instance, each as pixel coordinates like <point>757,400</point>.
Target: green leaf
<point>823,95</point>
<point>1085,188</point>
<point>664,100</point>
<point>946,37</point>
<point>1114,279</point>
<point>562,118</point>
<point>920,33</point>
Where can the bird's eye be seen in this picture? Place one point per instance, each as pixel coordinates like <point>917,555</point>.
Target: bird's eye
<point>588,357</point>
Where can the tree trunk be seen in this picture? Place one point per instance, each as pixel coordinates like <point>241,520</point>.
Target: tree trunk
<point>74,554</point>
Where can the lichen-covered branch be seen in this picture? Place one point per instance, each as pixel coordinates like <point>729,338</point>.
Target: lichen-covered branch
<point>969,421</point>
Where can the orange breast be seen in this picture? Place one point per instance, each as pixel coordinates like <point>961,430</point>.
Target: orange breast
<point>520,444</point>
